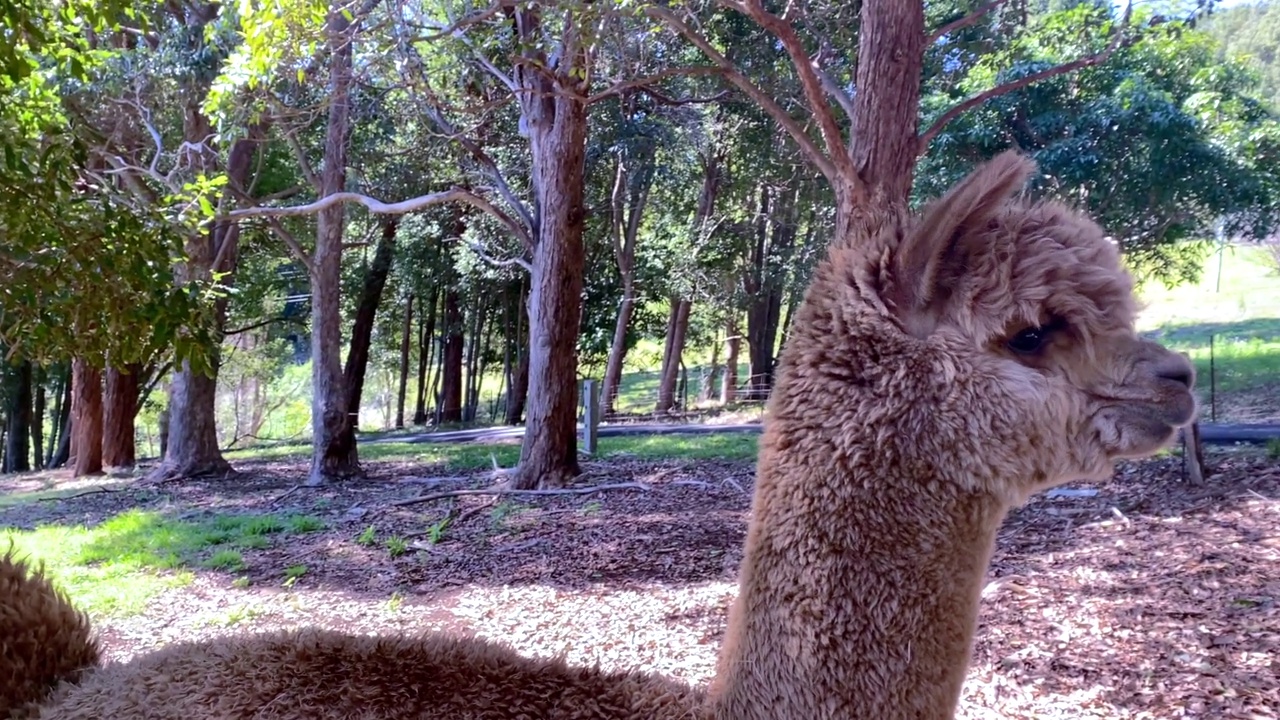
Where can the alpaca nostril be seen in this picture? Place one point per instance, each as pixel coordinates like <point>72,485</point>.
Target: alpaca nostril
<point>1180,371</point>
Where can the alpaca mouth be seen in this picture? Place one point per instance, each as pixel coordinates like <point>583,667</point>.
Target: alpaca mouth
<point>1133,429</point>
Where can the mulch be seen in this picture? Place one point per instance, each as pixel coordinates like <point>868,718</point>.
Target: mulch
<point>1138,597</point>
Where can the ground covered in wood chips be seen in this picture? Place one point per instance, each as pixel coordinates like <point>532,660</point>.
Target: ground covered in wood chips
<point>1140,597</point>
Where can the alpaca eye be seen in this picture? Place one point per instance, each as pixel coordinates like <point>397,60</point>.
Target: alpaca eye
<point>1029,341</point>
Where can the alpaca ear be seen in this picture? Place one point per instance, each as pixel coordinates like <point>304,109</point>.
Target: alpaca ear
<point>938,238</point>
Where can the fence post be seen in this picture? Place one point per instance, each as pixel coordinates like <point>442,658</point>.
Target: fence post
<point>591,416</point>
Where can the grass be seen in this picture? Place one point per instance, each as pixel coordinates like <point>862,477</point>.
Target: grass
<point>115,567</point>
<point>479,456</point>
<point>1231,314</point>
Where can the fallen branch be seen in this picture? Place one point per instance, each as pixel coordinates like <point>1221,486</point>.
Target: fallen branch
<point>509,491</point>
<point>82,493</point>
<point>284,495</point>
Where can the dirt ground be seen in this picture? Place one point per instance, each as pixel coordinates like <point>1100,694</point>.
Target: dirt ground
<point>1149,599</point>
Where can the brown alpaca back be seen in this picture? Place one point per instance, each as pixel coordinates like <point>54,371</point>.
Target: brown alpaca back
<point>44,640</point>
<point>326,675</point>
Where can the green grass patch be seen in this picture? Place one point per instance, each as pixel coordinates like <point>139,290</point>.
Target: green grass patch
<point>225,560</point>
<point>709,446</point>
<point>480,456</point>
<point>115,567</point>
<point>1232,313</point>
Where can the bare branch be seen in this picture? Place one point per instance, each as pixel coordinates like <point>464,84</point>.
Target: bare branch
<point>292,243</point>
<point>378,207</point>
<point>644,83</point>
<point>1096,59</point>
<point>301,156</point>
<point>731,73</point>
<point>479,251</point>
<point>814,92</point>
<point>508,491</point>
<point>491,168</point>
<point>835,91</point>
<point>962,23</point>
<point>262,323</point>
<point>665,99</point>
<point>466,22</point>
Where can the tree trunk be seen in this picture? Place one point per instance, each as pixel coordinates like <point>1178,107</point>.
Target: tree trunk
<point>710,373</point>
<point>61,414</point>
<point>475,350</point>
<point>37,420</point>
<point>557,135</point>
<point>405,334</point>
<point>618,349</point>
<point>119,411</point>
<point>17,448</point>
<point>732,344</point>
<point>192,447</point>
<point>677,325</point>
<point>886,107</point>
<point>451,370</point>
<point>518,388</point>
<point>334,454</point>
<point>518,383</point>
<point>86,418</point>
<point>375,280</point>
<point>482,364</point>
<point>630,195</point>
<point>426,343</point>
<point>61,451</point>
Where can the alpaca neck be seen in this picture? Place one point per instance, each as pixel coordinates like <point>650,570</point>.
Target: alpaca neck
<point>858,596</point>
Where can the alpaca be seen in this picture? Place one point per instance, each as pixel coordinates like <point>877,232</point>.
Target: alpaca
<point>941,368</point>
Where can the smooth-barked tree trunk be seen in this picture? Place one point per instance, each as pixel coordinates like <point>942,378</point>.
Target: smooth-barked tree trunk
<point>627,203</point>
<point>375,280</point>
<point>406,333</point>
<point>334,451</point>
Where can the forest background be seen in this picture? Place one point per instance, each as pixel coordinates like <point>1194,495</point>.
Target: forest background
<point>234,224</point>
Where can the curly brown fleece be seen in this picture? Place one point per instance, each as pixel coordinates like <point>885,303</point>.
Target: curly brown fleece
<point>44,640</point>
<point>940,369</point>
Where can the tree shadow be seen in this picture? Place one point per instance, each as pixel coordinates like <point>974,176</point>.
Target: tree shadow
<point>1169,602</point>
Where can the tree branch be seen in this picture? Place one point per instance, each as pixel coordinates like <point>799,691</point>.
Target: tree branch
<point>301,156</point>
<point>1096,59</point>
<point>491,169</point>
<point>466,21</point>
<point>479,251</point>
<point>292,243</point>
<point>381,208</point>
<point>962,22</point>
<point>732,74</point>
<point>261,323</point>
<point>644,83</point>
<point>814,93</point>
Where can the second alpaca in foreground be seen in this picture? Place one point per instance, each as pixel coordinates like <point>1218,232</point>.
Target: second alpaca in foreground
<point>940,369</point>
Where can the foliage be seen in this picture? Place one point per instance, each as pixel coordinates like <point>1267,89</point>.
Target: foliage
<point>1163,144</point>
<point>1250,33</point>
<point>81,271</point>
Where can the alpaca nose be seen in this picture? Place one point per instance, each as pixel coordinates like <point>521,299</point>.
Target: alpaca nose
<point>1177,368</point>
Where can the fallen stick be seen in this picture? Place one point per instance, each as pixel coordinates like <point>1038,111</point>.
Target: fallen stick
<point>508,491</point>
<point>82,493</point>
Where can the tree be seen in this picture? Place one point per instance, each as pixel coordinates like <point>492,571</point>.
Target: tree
<point>1250,32</point>
<point>1163,143</point>
<point>871,175</point>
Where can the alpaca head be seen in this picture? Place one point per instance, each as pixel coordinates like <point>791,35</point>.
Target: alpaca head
<point>1030,302</point>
